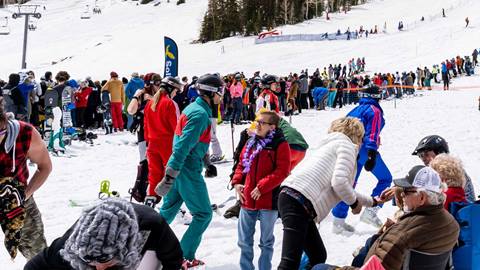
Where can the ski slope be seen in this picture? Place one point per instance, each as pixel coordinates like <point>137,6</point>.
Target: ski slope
<point>452,114</point>
<point>128,38</point>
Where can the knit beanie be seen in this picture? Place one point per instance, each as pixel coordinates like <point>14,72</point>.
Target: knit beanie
<point>106,230</point>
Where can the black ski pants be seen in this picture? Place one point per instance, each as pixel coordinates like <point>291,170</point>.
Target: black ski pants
<point>299,234</point>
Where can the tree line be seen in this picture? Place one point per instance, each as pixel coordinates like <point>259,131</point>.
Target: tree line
<point>226,18</point>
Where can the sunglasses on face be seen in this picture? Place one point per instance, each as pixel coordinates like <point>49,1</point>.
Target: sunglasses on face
<point>97,259</point>
<point>408,191</point>
<point>157,83</point>
<point>261,123</point>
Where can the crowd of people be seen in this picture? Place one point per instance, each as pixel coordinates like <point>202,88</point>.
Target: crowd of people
<point>175,124</point>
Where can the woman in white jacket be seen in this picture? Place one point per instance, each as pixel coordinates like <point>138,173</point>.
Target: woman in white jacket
<point>324,178</point>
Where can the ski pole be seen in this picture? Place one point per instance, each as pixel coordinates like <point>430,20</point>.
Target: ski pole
<point>232,129</point>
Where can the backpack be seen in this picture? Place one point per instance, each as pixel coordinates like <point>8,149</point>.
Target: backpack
<point>467,252</point>
<point>51,99</point>
<point>139,190</point>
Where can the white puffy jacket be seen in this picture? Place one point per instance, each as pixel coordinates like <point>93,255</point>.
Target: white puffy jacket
<point>326,176</point>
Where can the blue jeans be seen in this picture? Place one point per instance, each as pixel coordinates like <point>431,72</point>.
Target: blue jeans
<point>246,229</point>
<point>380,171</point>
<point>324,266</point>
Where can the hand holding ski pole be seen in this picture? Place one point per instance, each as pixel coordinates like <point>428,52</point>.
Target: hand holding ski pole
<point>167,182</point>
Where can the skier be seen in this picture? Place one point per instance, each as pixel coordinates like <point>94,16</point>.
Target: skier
<point>113,234</point>
<point>19,142</point>
<point>133,85</point>
<point>371,115</point>
<point>267,99</point>
<point>160,119</point>
<point>183,181</point>
<point>467,21</point>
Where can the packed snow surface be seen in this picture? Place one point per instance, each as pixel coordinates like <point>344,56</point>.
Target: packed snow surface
<point>128,38</point>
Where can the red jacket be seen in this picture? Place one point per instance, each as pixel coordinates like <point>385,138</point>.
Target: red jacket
<point>159,125</point>
<point>81,97</point>
<point>454,194</point>
<point>268,170</point>
<point>274,105</point>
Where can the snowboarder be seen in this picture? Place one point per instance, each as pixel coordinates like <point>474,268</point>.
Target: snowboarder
<point>160,120</point>
<point>371,115</point>
<point>113,234</point>
<point>20,142</point>
<point>183,181</point>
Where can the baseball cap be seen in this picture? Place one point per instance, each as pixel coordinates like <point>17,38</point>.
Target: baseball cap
<point>421,177</point>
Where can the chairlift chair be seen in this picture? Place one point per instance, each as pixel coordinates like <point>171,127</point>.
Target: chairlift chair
<point>86,14</point>
<point>4,28</point>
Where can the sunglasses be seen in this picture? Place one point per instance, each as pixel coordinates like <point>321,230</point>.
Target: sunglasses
<point>261,123</point>
<point>157,83</point>
<point>408,191</point>
<point>98,259</point>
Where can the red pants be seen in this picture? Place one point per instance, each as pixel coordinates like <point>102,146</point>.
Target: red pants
<point>157,157</point>
<point>295,157</point>
<point>117,120</point>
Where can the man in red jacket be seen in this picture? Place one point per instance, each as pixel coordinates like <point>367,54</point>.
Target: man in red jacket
<point>160,119</point>
<point>264,164</point>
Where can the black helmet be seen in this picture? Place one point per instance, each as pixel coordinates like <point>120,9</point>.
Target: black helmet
<point>171,83</point>
<point>433,143</point>
<point>210,83</point>
<point>267,80</point>
<point>372,91</point>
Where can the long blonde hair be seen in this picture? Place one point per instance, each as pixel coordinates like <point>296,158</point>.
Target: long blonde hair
<point>156,98</point>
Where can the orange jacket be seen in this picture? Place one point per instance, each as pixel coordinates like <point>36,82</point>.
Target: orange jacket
<point>117,92</point>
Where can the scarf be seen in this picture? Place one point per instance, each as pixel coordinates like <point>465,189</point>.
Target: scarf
<point>258,144</point>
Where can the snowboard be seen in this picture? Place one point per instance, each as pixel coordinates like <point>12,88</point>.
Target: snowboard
<point>50,102</point>
<point>107,112</point>
<point>67,107</point>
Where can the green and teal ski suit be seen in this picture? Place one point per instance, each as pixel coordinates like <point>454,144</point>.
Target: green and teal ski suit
<point>190,144</point>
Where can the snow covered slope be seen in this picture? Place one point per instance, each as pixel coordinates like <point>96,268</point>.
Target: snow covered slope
<point>129,38</point>
<point>453,115</point>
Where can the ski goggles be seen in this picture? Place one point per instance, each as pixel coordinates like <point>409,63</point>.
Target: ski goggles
<point>104,258</point>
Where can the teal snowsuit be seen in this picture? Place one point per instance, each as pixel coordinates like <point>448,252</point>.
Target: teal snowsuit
<point>190,144</point>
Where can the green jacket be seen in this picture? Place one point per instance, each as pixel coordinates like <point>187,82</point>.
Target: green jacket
<point>192,137</point>
<point>292,135</point>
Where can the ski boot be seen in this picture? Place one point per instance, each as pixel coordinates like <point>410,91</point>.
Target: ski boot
<point>214,159</point>
<point>232,211</point>
<point>341,227</point>
<point>369,216</point>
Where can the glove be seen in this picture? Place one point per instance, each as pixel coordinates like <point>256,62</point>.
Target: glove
<point>167,182</point>
<point>370,163</point>
<point>211,171</point>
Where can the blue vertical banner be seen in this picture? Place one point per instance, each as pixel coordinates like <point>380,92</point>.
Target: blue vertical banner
<point>171,58</point>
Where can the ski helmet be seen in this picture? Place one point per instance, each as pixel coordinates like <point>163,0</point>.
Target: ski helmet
<point>170,83</point>
<point>209,84</point>
<point>267,80</point>
<point>371,91</point>
<point>433,143</point>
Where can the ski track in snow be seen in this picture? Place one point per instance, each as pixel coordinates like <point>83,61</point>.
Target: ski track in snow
<point>135,43</point>
<point>452,114</point>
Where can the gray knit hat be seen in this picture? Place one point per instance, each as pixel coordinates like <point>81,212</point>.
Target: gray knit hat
<point>108,230</point>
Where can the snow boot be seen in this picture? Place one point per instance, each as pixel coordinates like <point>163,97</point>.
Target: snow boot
<point>233,211</point>
<point>341,227</point>
<point>369,216</point>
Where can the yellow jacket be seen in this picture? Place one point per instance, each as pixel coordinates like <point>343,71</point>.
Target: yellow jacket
<point>117,92</point>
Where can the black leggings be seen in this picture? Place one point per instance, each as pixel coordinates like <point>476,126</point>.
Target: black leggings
<point>299,234</point>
